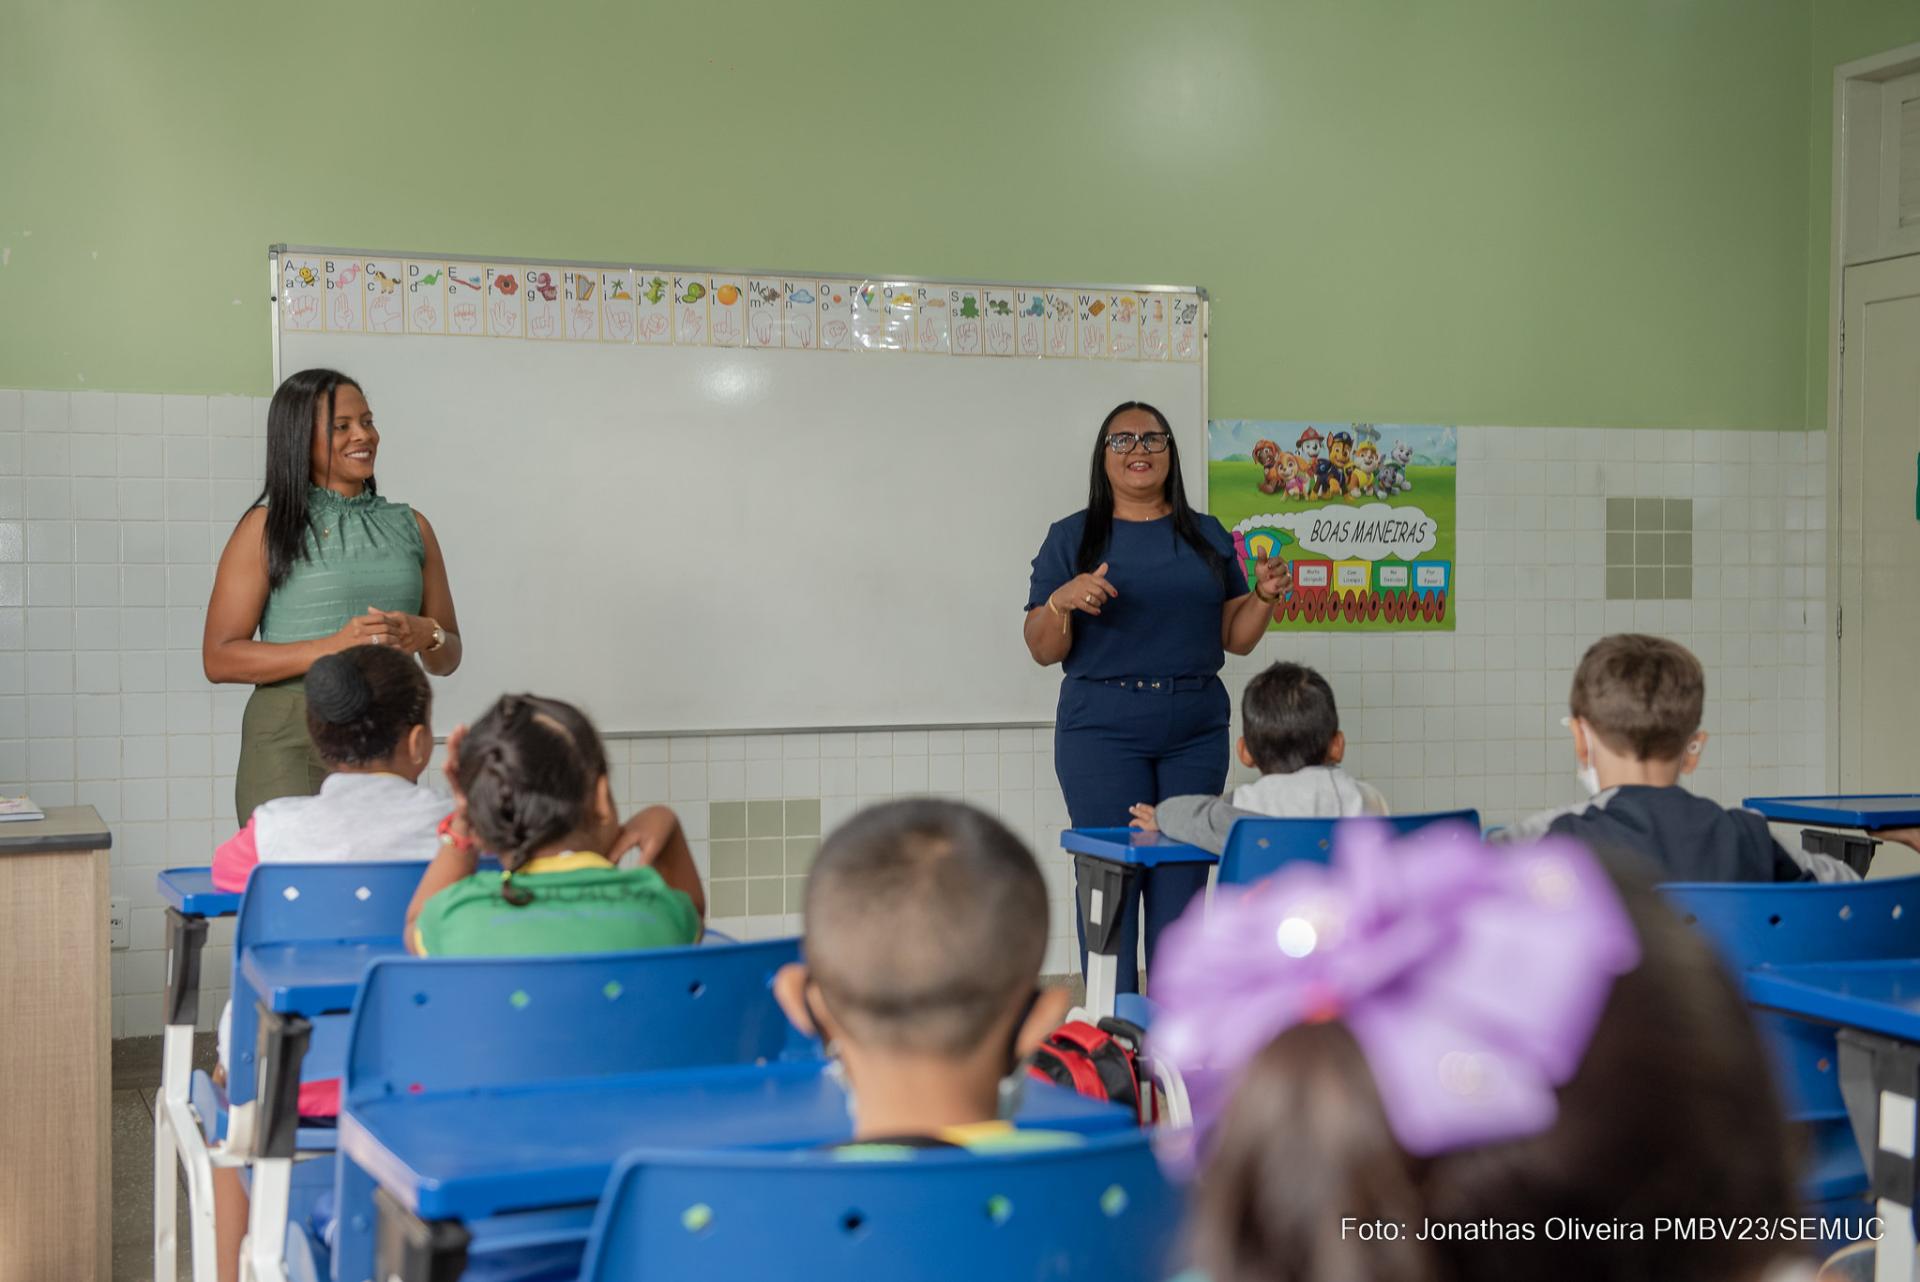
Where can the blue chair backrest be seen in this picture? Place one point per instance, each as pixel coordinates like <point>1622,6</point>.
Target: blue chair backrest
<point>1257,848</point>
<point>1099,1210</point>
<point>1776,923</point>
<point>431,1025</point>
<point>303,903</point>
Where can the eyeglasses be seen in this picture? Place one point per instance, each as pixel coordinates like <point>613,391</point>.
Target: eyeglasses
<point>1123,442</point>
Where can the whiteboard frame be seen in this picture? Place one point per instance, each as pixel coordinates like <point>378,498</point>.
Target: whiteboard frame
<point>275,251</point>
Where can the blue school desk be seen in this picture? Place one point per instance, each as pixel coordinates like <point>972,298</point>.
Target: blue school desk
<point>1107,864</point>
<point>1876,1005</point>
<point>1885,810</point>
<point>465,1156</point>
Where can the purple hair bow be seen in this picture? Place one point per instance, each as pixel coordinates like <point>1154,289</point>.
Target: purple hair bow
<point>1471,976</point>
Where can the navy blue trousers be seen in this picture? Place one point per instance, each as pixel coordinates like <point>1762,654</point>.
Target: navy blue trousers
<point>1114,746</point>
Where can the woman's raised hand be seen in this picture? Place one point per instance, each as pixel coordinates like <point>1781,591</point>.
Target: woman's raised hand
<point>1087,592</point>
<point>1272,577</point>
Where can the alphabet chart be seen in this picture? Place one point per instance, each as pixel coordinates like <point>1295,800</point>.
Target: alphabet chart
<point>322,291</point>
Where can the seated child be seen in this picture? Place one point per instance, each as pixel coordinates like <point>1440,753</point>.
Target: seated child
<point>1290,733</point>
<point>530,786</point>
<point>1636,707</point>
<point>926,923</point>
<point>1482,1046</point>
<point>368,714</point>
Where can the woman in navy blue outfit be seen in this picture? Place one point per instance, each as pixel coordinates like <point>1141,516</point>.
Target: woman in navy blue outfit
<point>1139,597</point>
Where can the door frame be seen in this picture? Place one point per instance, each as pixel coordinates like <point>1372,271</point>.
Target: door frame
<point>1849,104</point>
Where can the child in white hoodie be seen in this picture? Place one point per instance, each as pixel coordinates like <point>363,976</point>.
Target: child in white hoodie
<point>1290,733</point>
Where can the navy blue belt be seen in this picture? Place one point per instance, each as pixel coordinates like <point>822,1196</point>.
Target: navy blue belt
<point>1150,684</point>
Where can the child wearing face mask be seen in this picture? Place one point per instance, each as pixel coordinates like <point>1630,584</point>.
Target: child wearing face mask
<point>926,923</point>
<point>1635,718</point>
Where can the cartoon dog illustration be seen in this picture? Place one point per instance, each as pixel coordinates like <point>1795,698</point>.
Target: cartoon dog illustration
<point>1330,473</point>
<point>1393,473</point>
<point>1293,483</point>
<point>1268,456</point>
<point>1366,466</point>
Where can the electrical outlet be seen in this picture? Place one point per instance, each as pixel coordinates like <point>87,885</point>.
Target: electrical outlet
<point>120,922</point>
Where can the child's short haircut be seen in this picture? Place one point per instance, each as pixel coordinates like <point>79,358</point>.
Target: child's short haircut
<point>925,919</point>
<point>1640,694</point>
<point>362,701</point>
<point>527,768</point>
<point>1288,718</point>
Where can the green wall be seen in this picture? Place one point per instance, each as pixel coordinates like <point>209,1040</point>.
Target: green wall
<point>1482,211</point>
<point>1843,30</point>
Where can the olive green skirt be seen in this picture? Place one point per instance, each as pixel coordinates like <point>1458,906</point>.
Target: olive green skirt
<point>277,756</point>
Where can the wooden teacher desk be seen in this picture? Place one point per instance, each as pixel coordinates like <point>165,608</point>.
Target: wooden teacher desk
<point>55,1052</point>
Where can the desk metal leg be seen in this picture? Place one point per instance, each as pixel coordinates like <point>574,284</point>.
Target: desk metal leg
<point>1880,1082</point>
<point>415,1250</point>
<point>186,936</point>
<point>1104,889</point>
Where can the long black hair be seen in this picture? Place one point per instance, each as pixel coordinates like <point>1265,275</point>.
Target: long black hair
<point>290,418</point>
<point>1098,531</point>
<point>528,769</point>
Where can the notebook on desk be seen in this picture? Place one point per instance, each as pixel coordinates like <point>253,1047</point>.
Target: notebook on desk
<point>19,809</point>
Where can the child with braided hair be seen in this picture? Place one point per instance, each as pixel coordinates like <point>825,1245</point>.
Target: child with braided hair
<point>530,786</point>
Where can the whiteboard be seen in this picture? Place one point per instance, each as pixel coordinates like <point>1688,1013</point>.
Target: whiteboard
<point>691,537</point>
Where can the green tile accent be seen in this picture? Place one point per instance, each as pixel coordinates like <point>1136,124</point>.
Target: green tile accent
<point>727,899</point>
<point>1679,514</point>
<point>766,895</point>
<point>800,852</point>
<point>726,819</point>
<point>727,858</point>
<point>765,819</point>
<point>1679,583</point>
<point>1619,548</point>
<point>1619,514</point>
<point>1647,514</point>
<point>1649,549</point>
<point>1679,549</point>
<point>796,894</point>
<point>1648,584</point>
<point>1619,583</point>
<point>764,857</point>
<point>803,818</point>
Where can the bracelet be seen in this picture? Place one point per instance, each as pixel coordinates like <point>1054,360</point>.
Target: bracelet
<point>463,844</point>
<point>1066,616</point>
<point>1270,600</point>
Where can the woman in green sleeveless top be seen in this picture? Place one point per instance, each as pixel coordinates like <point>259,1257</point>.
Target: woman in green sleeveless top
<point>319,563</point>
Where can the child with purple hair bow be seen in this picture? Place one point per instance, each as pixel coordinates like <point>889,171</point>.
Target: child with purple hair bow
<point>1516,1055</point>
<point>1471,977</point>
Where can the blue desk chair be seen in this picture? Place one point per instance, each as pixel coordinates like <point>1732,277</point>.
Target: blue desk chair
<point>1770,924</point>
<point>1257,848</point>
<point>191,903</point>
<point>1098,1210</point>
<point>438,1027</point>
<point>304,935</point>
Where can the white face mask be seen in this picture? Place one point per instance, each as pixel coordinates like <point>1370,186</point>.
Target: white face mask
<point>1589,779</point>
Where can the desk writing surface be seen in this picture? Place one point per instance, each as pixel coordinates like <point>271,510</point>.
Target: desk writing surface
<point>1868,811</point>
<point>466,1155</point>
<point>1873,996</point>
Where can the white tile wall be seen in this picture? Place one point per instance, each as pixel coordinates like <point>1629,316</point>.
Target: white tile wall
<point>113,508</point>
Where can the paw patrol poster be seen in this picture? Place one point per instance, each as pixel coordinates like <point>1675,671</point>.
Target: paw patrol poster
<point>1364,511</point>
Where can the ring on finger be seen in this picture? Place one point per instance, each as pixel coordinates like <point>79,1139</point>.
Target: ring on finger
<point>1089,598</point>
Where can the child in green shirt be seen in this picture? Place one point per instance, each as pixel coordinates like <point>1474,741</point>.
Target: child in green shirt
<point>530,786</point>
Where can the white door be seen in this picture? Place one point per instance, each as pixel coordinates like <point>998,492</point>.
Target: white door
<point>1878,531</point>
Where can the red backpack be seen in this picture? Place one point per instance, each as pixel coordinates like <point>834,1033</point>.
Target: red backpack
<point>1100,1061</point>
